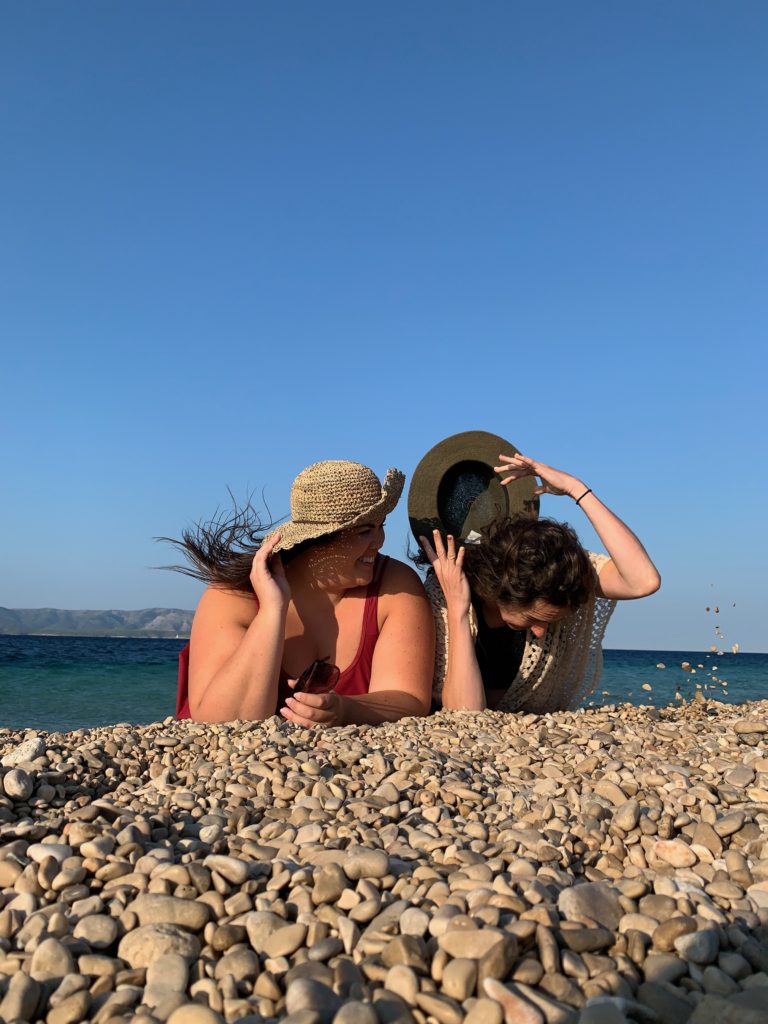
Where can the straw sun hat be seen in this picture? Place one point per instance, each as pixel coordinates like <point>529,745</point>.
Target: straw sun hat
<point>455,490</point>
<point>330,496</point>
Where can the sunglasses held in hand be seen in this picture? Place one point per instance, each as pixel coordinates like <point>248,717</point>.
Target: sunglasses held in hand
<point>320,677</point>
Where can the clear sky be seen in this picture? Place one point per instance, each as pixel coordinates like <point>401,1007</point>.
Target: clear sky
<point>238,238</point>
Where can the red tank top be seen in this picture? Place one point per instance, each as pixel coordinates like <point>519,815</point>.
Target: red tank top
<point>354,680</point>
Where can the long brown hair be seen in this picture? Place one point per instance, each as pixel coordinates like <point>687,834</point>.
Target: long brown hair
<point>220,551</point>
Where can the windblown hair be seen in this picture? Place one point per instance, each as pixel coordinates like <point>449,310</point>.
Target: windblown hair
<point>520,560</point>
<point>220,552</point>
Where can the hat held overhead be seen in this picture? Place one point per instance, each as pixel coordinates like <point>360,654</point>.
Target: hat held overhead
<point>455,489</point>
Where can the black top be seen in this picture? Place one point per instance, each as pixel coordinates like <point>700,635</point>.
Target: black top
<point>499,653</point>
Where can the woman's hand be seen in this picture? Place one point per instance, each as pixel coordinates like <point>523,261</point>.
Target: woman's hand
<point>314,709</point>
<point>449,569</point>
<point>553,481</point>
<point>268,578</point>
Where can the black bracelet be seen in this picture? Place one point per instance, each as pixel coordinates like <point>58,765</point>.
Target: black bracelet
<point>588,491</point>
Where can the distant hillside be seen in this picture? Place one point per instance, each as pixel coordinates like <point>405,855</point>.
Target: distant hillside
<point>150,622</point>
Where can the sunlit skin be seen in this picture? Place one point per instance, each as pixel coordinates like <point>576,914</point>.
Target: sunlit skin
<point>344,562</point>
<point>628,574</point>
<point>537,617</point>
<point>312,608</point>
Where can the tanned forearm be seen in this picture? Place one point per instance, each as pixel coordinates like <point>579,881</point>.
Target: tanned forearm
<point>463,688</point>
<point>381,706</point>
<point>245,686</point>
<point>639,576</point>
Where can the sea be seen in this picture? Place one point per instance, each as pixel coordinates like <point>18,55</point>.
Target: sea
<point>61,683</point>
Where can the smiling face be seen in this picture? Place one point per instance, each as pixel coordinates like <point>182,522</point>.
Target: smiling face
<point>347,559</point>
<point>537,617</point>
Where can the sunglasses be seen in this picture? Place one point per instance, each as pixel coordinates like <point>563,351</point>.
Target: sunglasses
<point>320,677</point>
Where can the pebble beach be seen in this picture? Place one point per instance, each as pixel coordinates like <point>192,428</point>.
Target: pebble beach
<point>599,866</point>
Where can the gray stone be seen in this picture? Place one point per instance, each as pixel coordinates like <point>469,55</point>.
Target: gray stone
<point>485,1011</point>
<point>98,930</point>
<point>717,982</point>
<point>596,900</point>
<point>701,947</point>
<point>26,751</point>
<point>716,1010</point>
<point>306,994</point>
<point>140,947</point>
<point>21,999</point>
<point>665,1000</point>
<point>469,943</point>
<point>355,1012</point>
<point>364,863</point>
<point>230,868</point>
<point>459,979</point>
<point>286,940</point>
<point>170,971</point>
<point>156,908</point>
<point>404,982</point>
<point>52,959</point>
<point>71,1010</point>
<point>18,784</point>
<point>627,815</point>
<point>602,1013</point>
<point>195,1013</point>
<point>329,883</point>
<point>240,964</point>
<point>661,967</point>
<point>517,1010</point>
<point>260,925</point>
<point>39,852</point>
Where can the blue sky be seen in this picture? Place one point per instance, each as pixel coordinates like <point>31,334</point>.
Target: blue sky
<point>237,238</point>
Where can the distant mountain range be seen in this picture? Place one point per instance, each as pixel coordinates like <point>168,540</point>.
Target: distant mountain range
<point>149,622</point>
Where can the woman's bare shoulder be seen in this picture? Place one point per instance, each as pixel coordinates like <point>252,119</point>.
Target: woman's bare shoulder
<point>400,578</point>
<point>235,606</point>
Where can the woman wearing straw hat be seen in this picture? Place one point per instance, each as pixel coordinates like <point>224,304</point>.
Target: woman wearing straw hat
<point>520,607</point>
<point>310,620</point>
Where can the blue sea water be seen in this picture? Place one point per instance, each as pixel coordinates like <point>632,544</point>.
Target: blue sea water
<point>63,683</point>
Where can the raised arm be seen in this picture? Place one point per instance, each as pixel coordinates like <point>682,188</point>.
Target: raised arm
<point>236,646</point>
<point>463,688</point>
<point>630,573</point>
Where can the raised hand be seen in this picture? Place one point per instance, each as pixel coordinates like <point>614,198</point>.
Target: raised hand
<point>553,481</point>
<point>268,578</point>
<point>449,569</point>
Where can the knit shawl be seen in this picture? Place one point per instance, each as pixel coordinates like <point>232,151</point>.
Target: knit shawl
<point>557,671</point>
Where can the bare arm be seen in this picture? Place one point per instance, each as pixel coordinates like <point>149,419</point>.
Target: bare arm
<point>463,688</point>
<point>401,674</point>
<point>630,573</point>
<point>236,647</point>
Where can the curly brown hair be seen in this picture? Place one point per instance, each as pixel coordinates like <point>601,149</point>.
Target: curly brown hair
<point>521,560</point>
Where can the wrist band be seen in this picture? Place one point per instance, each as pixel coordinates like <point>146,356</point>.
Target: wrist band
<point>588,491</point>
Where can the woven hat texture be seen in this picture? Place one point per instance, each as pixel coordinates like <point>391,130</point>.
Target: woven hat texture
<point>334,495</point>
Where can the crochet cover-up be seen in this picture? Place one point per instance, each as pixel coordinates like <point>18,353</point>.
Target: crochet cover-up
<point>557,671</point>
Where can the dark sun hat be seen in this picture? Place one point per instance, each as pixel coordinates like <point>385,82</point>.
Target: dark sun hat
<point>455,490</point>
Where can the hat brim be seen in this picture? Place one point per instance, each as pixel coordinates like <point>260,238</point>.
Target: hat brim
<point>439,474</point>
<point>293,533</point>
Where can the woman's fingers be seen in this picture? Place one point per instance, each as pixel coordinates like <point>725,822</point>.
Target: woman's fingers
<point>439,546</point>
<point>312,709</point>
<point>269,545</point>
<point>429,551</point>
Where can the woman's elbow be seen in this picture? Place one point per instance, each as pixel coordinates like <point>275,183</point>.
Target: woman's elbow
<point>650,584</point>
